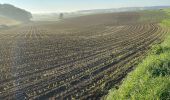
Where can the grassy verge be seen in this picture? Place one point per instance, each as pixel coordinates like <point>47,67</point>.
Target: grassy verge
<point>151,79</point>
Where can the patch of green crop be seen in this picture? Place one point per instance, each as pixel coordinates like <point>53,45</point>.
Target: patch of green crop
<point>147,16</point>
<point>166,22</point>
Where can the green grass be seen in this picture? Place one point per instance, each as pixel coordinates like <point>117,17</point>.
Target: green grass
<point>152,16</point>
<point>151,79</point>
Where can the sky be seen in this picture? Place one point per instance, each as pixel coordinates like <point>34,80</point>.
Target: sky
<point>50,6</point>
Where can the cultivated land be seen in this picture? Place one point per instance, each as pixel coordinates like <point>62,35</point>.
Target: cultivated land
<point>151,79</point>
<point>77,58</point>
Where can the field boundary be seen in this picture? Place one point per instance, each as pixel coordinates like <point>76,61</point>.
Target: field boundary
<point>151,79</point>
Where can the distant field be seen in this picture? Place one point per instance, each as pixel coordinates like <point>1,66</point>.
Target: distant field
<point>77,58</point>
<point>53,16</point>
<point>8,21</point>
<point>153,15</point>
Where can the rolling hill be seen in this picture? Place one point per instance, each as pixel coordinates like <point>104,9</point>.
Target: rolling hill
<point>15,13</point>
<point>4,21</point>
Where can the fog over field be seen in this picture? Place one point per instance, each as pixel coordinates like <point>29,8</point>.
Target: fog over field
<point>84,50</point>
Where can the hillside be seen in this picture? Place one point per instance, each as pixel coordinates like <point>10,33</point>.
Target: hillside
<point>4,21</point>
<point>15,13</point>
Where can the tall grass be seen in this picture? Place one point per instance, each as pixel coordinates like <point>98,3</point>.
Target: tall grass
<point>151,79</point>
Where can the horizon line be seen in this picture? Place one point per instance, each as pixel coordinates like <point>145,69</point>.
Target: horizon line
<point>53,12</point>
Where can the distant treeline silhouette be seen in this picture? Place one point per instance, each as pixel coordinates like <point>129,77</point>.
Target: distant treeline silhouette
<point>13,12</point>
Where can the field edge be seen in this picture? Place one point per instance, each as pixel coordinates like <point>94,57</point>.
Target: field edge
<point>151,78</point>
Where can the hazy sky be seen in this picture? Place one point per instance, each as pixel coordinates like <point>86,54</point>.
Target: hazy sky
<point>45,6</point>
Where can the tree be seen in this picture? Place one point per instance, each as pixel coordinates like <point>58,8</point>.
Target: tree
<point>61,16</point>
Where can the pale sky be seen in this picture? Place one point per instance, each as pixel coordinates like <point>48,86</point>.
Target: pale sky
<point>48,6</point>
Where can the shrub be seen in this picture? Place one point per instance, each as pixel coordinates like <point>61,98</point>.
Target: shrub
<point>160,68</point>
